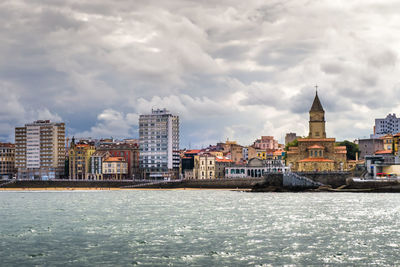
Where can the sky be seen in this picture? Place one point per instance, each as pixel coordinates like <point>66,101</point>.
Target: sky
<point>229,68</point>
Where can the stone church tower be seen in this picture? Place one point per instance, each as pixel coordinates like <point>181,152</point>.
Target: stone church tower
<point>317,119</point>
<point>317,153</point>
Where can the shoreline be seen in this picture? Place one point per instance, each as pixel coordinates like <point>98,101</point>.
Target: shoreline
<point>112,189</point>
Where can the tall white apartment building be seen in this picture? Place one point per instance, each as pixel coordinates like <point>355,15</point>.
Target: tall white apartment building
<point>40,150</point>
<point>388,125</point>
<point>159,144</point>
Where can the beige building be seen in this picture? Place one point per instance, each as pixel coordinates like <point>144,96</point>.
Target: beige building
<point>115,168</point>
<point>387,142</point>
<point>7,160</point>
<point>204,167</point>
<point>40,150</point>
<point>233,150</point>
<point>317,152</point>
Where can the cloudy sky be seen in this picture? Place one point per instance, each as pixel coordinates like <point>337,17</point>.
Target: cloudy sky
<point>229,68</point>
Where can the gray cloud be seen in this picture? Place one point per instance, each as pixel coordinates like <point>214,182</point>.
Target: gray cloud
<point>228,68</point>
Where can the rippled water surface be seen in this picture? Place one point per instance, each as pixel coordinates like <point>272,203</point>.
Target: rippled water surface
<point>198,228</point>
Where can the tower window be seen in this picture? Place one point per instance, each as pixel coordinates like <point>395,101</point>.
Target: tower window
<point>316,133</point>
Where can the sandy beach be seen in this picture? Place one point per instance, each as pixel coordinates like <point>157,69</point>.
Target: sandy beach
<point>110,188</point>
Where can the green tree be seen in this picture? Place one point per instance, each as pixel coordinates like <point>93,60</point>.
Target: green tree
<point>351,148</point>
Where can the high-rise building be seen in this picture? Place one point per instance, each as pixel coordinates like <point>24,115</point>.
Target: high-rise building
<point>159,144</point>
<point>40,150</point>
<point>388,125</point>
<point>7,160</point>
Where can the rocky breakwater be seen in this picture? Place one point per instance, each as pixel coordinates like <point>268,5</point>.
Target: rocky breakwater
<point>391,185</point>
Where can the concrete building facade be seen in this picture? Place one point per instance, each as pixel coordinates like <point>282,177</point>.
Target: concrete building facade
<point>7,161</point>
<point>369,146</point>
<point>290,137</point>
<point>40,150</point>
<point>159,145</point>
<point>388,125</point>
<point>204,167</point>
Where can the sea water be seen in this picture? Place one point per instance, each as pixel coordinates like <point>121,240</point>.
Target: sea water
<point>198,228</point>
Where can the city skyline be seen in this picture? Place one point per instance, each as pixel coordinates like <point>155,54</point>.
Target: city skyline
<point>229,70</point>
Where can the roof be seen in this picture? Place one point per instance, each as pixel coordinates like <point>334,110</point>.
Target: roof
<point>193,151</point>
<point>100,153</point>
<point>316,160</point>
<point>388,136</point>
<point>315,147</point>
<point>278,152</point>
<point>316,139</point>
<point>398,134</point>
<point>383,152</point>
<point>81,145</point>
<point>115,159</point>
<point>341,149</point>
<point>223,160</point>
<point>7,145</point>
<point>316,105</point>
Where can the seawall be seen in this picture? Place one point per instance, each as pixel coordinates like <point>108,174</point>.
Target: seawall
<point>239,183</point>
<point>334,179</point>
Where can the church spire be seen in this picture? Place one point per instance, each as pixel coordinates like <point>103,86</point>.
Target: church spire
<point>316,105</point>
<point>317,119</point>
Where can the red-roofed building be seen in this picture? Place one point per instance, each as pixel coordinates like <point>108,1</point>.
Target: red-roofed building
<point>220,164</point>
<point>115,168</point>
<point>382,152</point>
<point>129,151</point>
<point>317,152</point>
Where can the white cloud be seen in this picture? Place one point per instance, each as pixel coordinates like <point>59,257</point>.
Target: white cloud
<point>240,68</point>
<point>112,123</point>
